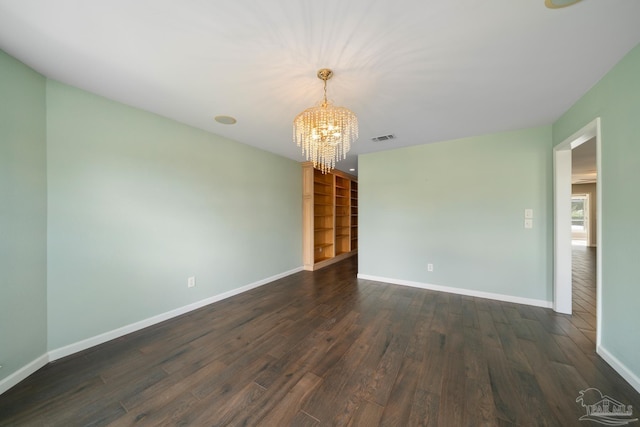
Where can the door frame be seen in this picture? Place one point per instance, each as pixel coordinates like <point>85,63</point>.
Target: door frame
<point>562,220</point>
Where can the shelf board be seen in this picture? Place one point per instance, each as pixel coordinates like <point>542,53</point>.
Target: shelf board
<point>322,245</point>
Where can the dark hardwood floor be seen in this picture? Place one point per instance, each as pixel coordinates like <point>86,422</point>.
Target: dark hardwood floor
<point>583,277</point>
<point>324,348</point>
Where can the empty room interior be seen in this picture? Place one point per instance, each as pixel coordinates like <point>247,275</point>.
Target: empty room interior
<point>319,213</point>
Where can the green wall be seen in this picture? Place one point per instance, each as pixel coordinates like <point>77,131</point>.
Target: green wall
<point>616,99</point>
<point>23,213</point>
<point>459,205</point>
<point>138,203</point>
<point>107,210</point>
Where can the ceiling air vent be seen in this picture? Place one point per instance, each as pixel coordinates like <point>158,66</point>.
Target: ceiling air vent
<point>383,138</point>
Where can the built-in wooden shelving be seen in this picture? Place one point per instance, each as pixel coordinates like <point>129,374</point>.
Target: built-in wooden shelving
<point>330,216</point>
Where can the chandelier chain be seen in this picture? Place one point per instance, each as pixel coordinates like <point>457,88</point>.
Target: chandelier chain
<point>325,92</point>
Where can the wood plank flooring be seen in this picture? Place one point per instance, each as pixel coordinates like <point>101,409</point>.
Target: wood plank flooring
<point>323,348</point>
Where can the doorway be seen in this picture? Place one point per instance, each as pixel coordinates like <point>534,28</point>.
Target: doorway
<point>562,167</point>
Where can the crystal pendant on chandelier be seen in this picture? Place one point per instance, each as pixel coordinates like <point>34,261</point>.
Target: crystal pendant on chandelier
<point>325,132</point>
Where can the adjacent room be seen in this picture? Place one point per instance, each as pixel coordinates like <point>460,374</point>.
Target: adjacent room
<point>310,213</point>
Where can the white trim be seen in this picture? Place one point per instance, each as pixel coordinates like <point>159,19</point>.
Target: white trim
<point>70,349</point>
<point>620,367</point>
<point>598,233</point>
<point>460,291</point>
<point>562,291</point>
<point>562,221</point>
<point>133,327</point>
<point>23,373</point>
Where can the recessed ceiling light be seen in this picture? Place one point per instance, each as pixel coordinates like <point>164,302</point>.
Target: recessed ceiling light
<point>352,170</point>
<point>225,120</point>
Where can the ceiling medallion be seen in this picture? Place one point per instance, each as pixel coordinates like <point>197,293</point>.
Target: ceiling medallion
<point>225,120</point>
<point>325,132</point>
<point>557,4</point>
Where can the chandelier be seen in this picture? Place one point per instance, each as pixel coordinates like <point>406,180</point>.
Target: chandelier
<point>325,132</point>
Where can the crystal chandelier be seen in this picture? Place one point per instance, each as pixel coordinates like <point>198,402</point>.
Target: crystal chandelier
<point>325,132</point>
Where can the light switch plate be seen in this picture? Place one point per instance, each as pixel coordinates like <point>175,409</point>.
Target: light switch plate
<point>528,213</point>
<point>528,223</point>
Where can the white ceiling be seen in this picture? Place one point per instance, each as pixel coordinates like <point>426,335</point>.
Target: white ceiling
<point>583,163</point>
<point>425,71</point>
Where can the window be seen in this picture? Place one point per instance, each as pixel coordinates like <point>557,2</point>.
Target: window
<point>578,208</point>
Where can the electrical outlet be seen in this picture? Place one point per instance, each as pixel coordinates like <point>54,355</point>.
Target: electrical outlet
<point>191,282</point>
<point>429,267</point>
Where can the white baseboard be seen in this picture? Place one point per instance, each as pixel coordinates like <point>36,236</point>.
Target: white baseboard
<point>133,327</point>
<point>70,349</point>
<point>23,373</point>
<point>619,367</point>
<point>460,291</point>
